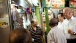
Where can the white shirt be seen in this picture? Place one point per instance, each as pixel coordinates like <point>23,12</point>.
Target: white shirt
<point>69,24</point>
<point>26,22</point>
<point>56,35</point>
<point>74,18</point>
<point>60,25</point>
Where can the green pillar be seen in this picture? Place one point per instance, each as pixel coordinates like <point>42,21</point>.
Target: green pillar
<point>47,19</point>
<point>37,12</point>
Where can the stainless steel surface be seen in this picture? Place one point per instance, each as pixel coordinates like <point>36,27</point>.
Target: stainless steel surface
<point>4,13</point>
<point>3,9</point>
<point>23,3</point>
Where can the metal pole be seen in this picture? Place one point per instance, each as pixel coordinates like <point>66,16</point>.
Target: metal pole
<point>47,19</point>
<point>9,14</point>
<point>37,12</point>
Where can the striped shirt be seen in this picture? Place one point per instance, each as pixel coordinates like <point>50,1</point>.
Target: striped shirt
<point>36,35</point>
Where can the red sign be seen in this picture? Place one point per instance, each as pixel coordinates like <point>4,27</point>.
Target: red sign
<point>73,0</point>
<point>72,3</point>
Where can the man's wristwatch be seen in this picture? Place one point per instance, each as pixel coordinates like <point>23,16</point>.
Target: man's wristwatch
<point>74,33</point>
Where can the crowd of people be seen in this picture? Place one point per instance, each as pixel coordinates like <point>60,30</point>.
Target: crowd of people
<point>62,30</point>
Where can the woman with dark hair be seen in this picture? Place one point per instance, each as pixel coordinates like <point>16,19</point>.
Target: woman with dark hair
<point>55,35</point>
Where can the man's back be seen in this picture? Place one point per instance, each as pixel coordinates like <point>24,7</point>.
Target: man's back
<point>56,35</point>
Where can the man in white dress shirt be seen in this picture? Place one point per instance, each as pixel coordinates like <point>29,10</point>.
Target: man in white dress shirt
<point>55,35</point>
<point>61,19</point>
<point>69,25</point>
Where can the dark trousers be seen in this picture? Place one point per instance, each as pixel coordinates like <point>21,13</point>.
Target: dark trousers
<point>71,40</point>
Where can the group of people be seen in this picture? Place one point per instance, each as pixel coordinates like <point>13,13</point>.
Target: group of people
<point>61,30</point>
<point>64,30</point>
<point>32,35</point>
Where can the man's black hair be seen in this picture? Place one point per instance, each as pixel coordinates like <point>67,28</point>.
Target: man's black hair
<point>32,21</point>
<point>61,14</point>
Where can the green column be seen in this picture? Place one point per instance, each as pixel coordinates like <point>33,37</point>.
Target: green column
<point>47,19</point>
<point>37,12</point>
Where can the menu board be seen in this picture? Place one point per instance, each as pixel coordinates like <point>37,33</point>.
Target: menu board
<point>56,3</point>
<point>73,3</point>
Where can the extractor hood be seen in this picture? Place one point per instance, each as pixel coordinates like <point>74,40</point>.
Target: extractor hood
<point>23,3</point>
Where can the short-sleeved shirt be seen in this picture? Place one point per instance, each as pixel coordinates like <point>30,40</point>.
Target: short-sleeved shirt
<point>36,35</point>
<point>56,35</point>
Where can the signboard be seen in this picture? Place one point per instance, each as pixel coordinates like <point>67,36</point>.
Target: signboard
<point>4,22</point>
<point>56,3</point>
<point>73,3</point>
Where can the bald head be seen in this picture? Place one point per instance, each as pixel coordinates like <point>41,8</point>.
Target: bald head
<point>67,9</point>
<point>68,12</point>
<point>20,35</point>
<point>34,22</point>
